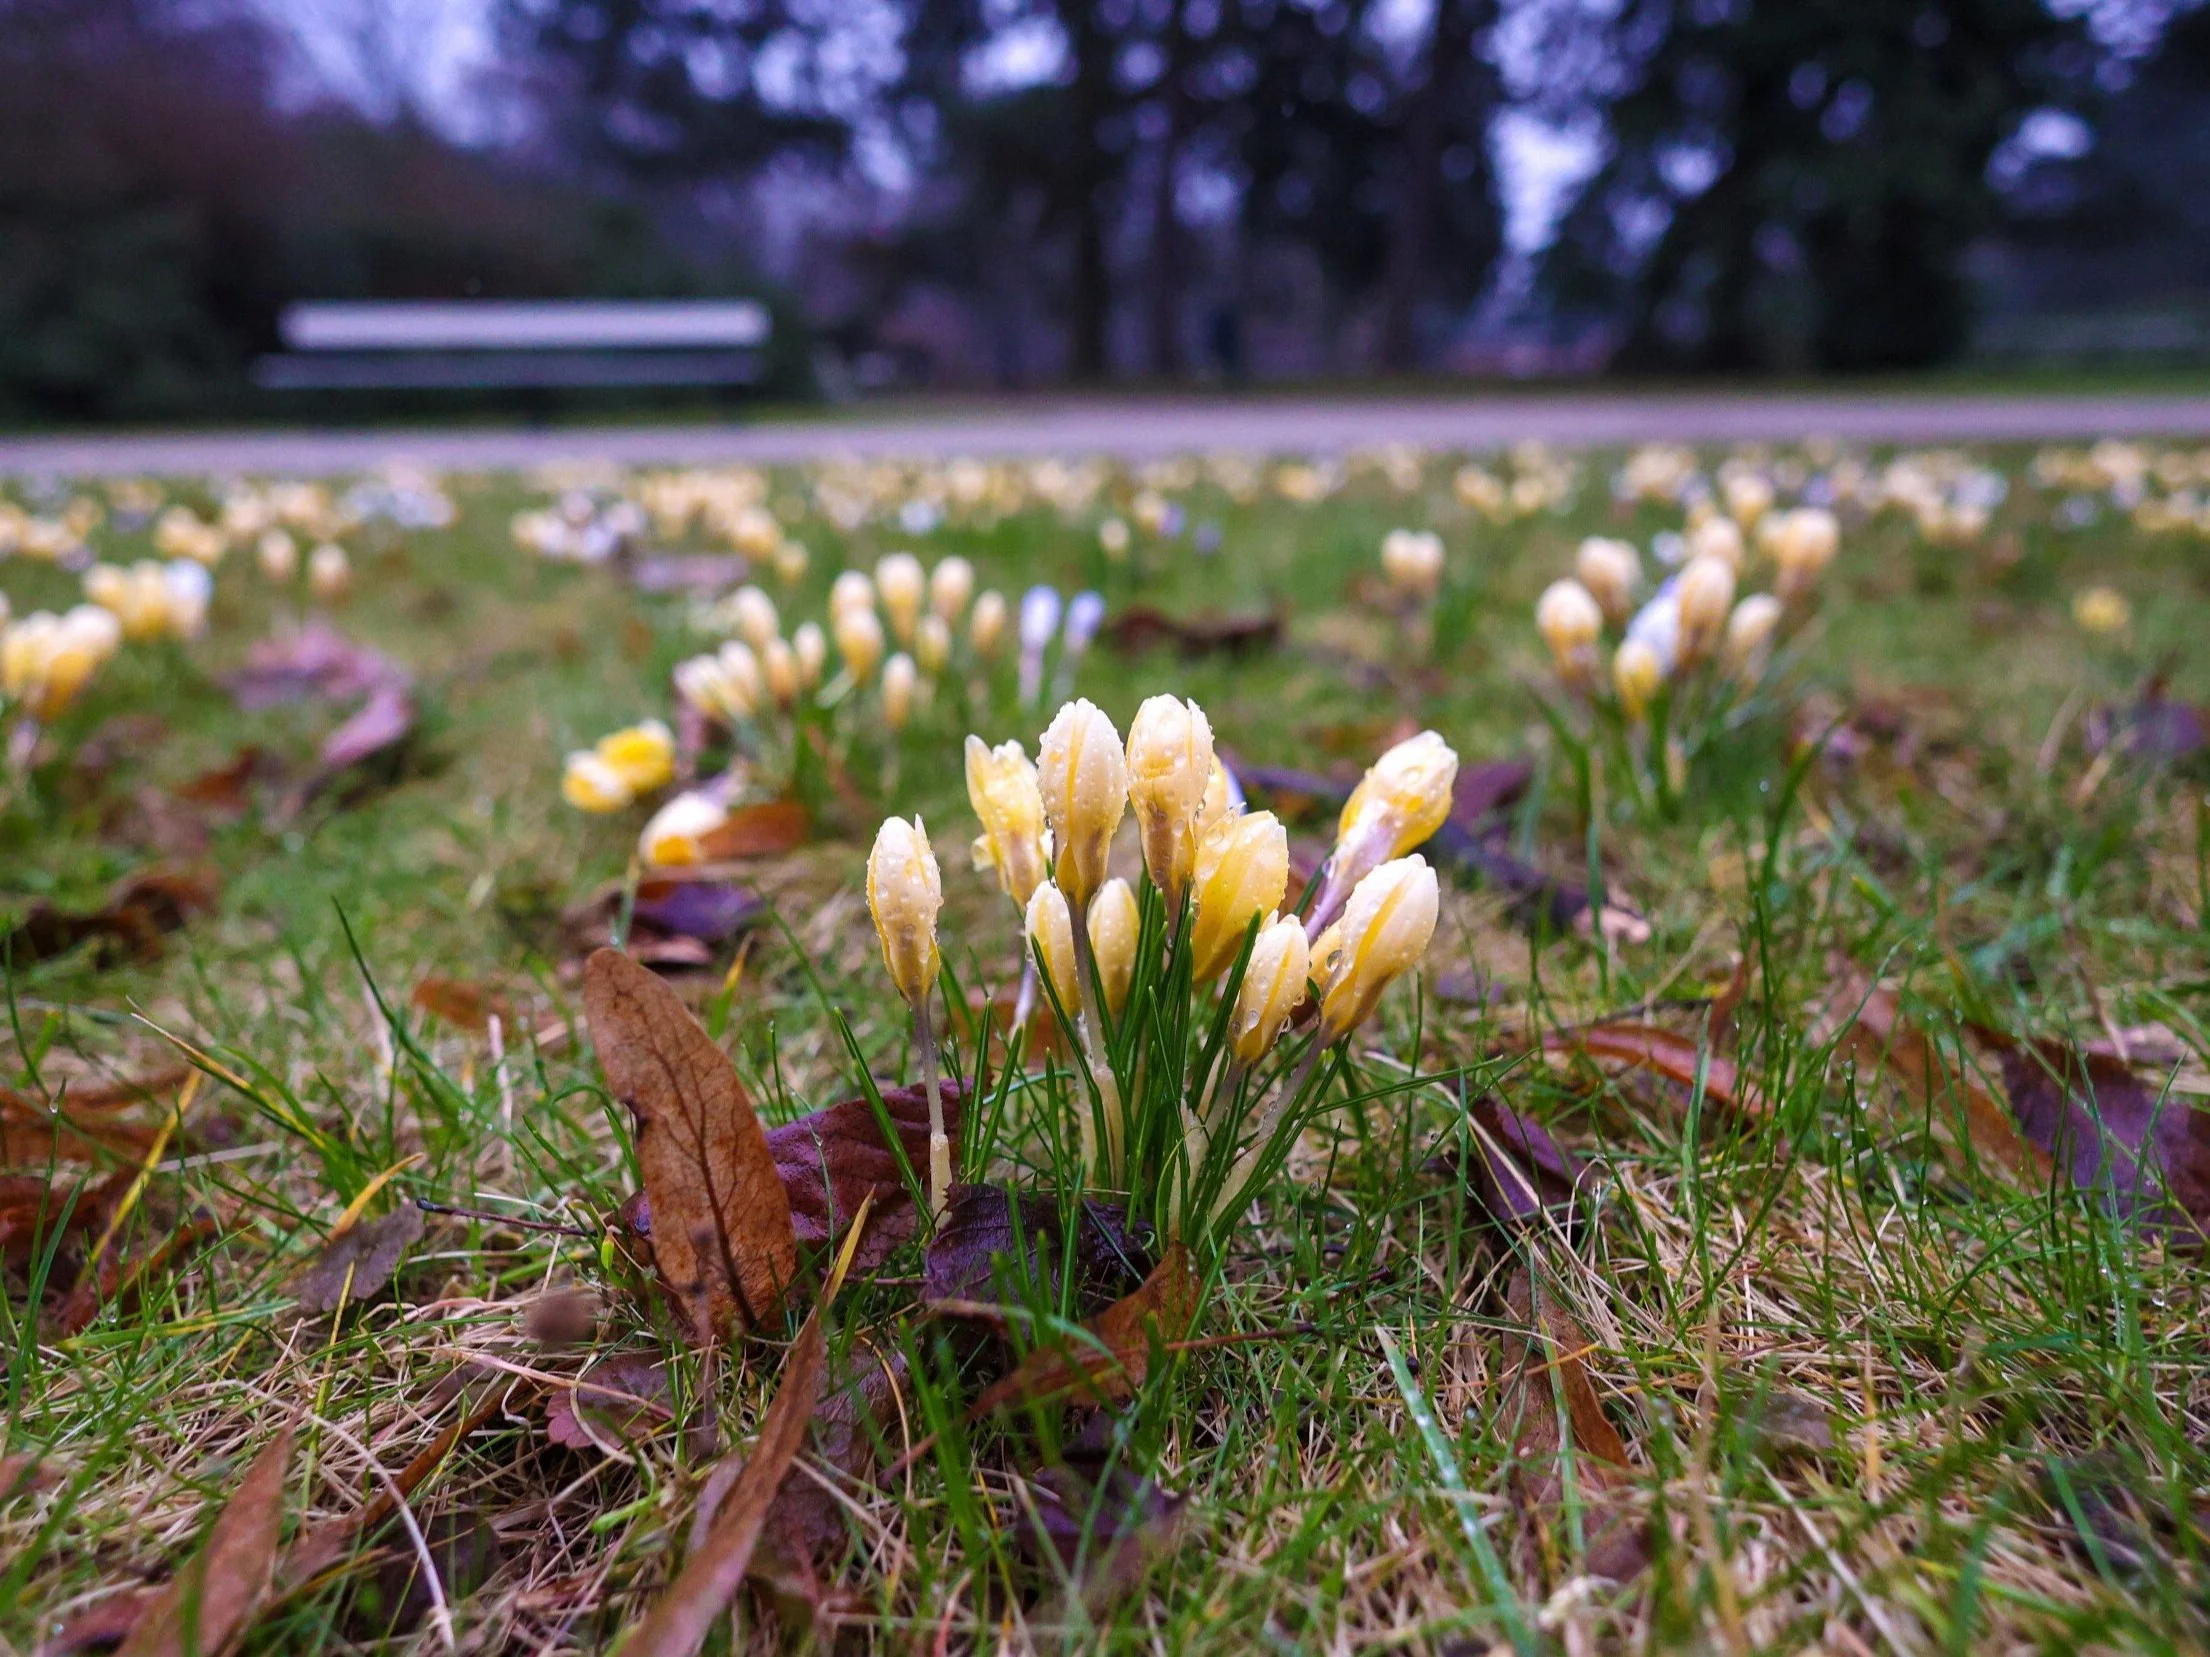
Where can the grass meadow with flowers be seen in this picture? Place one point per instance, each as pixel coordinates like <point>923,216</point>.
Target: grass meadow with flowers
<point>1398,1051</point>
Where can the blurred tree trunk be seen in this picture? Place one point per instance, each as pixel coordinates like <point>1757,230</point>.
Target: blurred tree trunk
<point>1167,356</point>
<point>1445,77</point>
<point>1090,303</point>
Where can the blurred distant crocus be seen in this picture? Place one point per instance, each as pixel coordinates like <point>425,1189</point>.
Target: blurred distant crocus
<point>680,832</point>
<point>932,644</point>
<point>329,572</point>
<point>1705,596</point>
<point>1040,610</point>
<point>1571,622</point>
<point>1719,538</point>
<point>1113,538</point>
<point>903,585</point>
<point>900,678</point>
<point>1412,560</point>
<point>851,590</point>
<point>779,670</point>
<point>588,783</point>
<point>2102,610</point>
<point>1611,571</point>
<point>951,585</point>
<point>278,555</point>
<point>1803,546</point>
<point>810,648</point>
<point>1637,675</point>
<point>986,625</point>
<point>859,641</point>
<point>790,563</point>
<point>755,616</point>
<point>1750,635</point>
<point>642,754</point>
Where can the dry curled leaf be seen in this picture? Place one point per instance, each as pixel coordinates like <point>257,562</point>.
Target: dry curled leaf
<point>461,1003</point>
<point>1145,627</point>
<point>616,1401</point>
<point>359,1261</point>
<point>1105,1523</point>
<point>1662,1052</point>
<point>988,1229</point>
<point>22,1474</point>
<point>1517,1171</point>
<point>766,829</point>
<point>833,1159</point>
<point>1865,1021</point>
<point>211,1601</point>
<point>679,1622</point>
<point>1543,1370</point>
<point>1112,1363</point>
<point>31,1208</point>
<point>2143,1148</point>
<point>721,1230</point>
<point>141,910</point>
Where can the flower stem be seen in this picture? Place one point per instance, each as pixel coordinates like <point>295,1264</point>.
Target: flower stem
<point>940,1145</point>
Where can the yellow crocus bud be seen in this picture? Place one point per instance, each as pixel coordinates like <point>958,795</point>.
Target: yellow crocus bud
<point>679,832</point>
<point>588,783</point>
<point>329,572</point>
<point>899,679</point>
<point>898,578</point>
<point>1750,634</point>
<point>755,616</point>
<point>2102,610</point>
<point>1570,621</point>
<point>1637,674</point>
<point>644,755</point>
<point>1611,571</point>
<point>1084,779</point>
<point>108,586</point>
<point>1402,800</point>
<point>1717,538</point>
<point>87,637</point>
<point>859,641</point>
<point>1327,955</point>
<point>810,646</point>
<point>1806,543</point>
<point>26,647</point>
<point>1050,930</point>
<point>790,562</point>
<point>851,590</point>
<point>1706,594</point>
<point>951,584</point>
<point>1002,787</point>
<point>1113,926</point>
<point>1242,873</point>
<point>1749,497</point>
<point>1216,803</point>
<point>1386,929</point>
<point>278,555</point>
<point>1413,562</point>
<point>1170,766</point>
<point>904,893</point>
<point>932,644</point>
<point>986,626</point>
<point>1273,985</point>
<point>779,671</point>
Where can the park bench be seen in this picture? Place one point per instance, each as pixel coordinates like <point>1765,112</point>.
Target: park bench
<point>497,344</point>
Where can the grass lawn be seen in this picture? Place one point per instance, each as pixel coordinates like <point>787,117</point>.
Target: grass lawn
<point>1878,1382</point>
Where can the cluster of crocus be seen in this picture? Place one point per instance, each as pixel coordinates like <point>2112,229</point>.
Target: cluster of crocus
<point>46,660</point>
<point>151,600</point>
<point>1199,1006</point>
<point>620,768</point>
<point>1412,564</point>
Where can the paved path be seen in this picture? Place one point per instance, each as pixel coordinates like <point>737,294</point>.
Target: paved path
<point>1132,427</point>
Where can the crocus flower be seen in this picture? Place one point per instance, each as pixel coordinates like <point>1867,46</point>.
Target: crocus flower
<point>1386,928</point>
<point>1273,985</point>
<point>1170,765</point>
<point>1084,779</point>
<point>1242,873</point>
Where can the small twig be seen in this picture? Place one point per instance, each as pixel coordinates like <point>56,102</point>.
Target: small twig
<point>514,1220</point>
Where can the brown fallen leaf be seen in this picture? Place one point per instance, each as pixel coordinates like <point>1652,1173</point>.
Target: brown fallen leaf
<point>23,1473</point>
<point>677,917</point>
<point>1539,1355</point>
<point>99,1627</point>
<point>2145,1150</point>
<point>462,1004</point>
<point>620,1396</point>
<point>119,1273</point>
<point>210,1602</point>
<point>832,1159</point>
<point>988,1229</point>
<point>1145,627</point>
<point>721,1232</point>
<point>806,1531</point>
<point>356,1264</point>
<point>1106,1523</point>
<point>140,911</point>
<point>1865,1021</point>
<point>766,829</point>
<point>1517,1171</point>
<point>1110,1367</point>
<point>1663,1052</point>
<point>31,1137</point>
<point>31,1208</point>
<point>679,1622</point>
<point>228,789</point>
